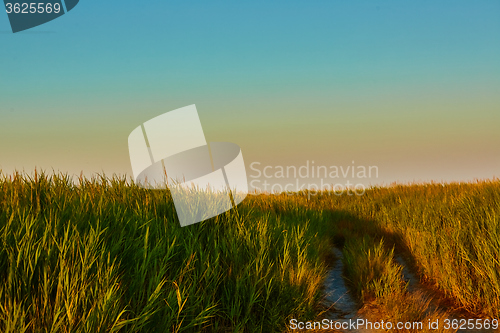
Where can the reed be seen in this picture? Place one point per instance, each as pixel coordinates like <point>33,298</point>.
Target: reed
<point>105,255</point>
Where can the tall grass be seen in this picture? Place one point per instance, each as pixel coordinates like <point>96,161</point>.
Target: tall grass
<point>371,268</point>
<point>107,256</point>
<point>451,233</point>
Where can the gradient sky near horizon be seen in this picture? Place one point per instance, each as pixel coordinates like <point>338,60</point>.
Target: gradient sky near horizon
<point>410,87</point>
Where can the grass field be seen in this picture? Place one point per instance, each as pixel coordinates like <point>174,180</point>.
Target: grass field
<point>108,256</point>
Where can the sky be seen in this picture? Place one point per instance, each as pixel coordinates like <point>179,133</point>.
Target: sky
<point>412,88</point>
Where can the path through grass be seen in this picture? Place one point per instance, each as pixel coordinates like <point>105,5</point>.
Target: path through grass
<point>107,256</point>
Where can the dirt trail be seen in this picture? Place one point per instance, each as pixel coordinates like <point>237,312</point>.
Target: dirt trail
<point>338,298</point>
<point>343,306</point>
<point>414,285</point>
<point>337,294</point>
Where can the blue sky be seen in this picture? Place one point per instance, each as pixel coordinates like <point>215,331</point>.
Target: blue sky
<point>413,88</point>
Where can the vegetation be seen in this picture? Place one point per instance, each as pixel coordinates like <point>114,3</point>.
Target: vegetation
<point>107,256</point>
<point>450,233</point>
